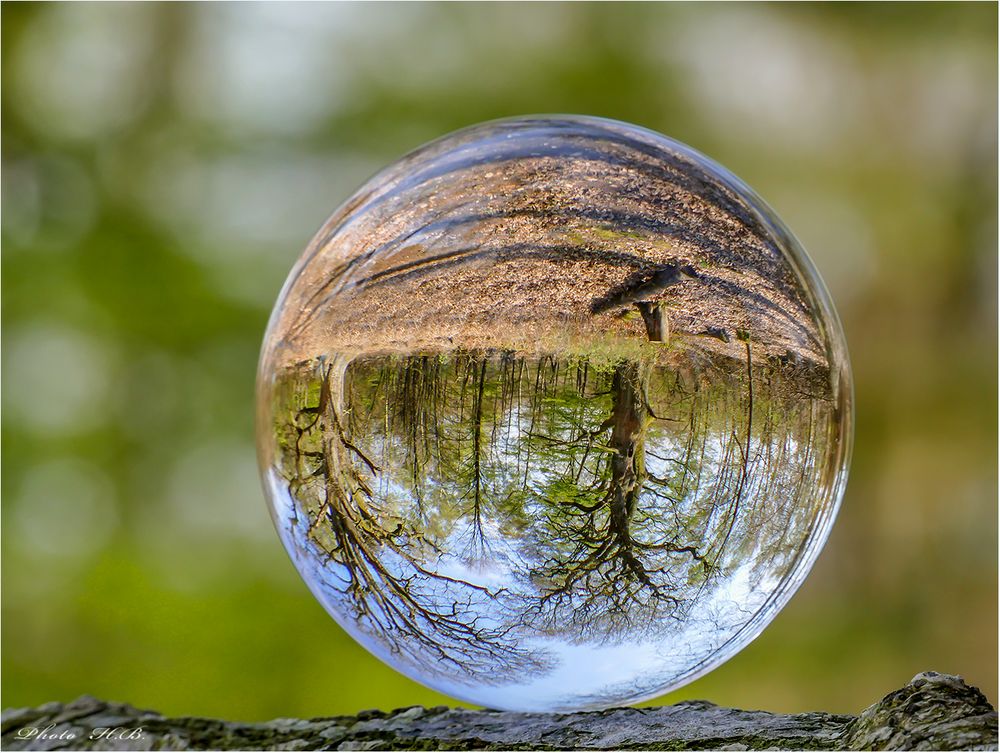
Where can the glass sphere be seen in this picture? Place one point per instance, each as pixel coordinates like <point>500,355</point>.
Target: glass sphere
<point>554,413</point>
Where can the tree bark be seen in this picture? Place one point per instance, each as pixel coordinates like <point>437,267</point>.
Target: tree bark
<point>932,712</point>
<point>654,316</point>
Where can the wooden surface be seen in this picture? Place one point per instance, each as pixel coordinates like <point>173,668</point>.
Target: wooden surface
<point>932,712</point>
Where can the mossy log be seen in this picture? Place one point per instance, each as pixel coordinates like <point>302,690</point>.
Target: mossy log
<point>932,712</point>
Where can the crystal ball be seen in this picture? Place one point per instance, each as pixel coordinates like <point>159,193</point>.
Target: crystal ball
<point>554,413</point>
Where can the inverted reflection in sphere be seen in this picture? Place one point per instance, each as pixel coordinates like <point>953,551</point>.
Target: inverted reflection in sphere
<point>554,413</point>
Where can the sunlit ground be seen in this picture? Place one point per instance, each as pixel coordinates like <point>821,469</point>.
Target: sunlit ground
<point>163,166</point>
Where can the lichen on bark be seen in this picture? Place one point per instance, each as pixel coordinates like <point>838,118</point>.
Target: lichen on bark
<point>932,712</point>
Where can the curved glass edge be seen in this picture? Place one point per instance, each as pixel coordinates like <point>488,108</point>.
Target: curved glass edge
<point>812,284</point>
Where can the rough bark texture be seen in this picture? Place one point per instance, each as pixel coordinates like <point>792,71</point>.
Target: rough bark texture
<point>932,712</point>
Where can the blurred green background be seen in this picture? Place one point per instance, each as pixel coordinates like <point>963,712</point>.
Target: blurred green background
<point>164,165</point>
